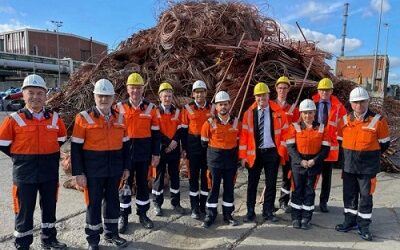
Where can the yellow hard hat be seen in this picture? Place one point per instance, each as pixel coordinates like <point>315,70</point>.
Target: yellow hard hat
<point>135,79</point>
<point>282,79</point>
<point>164,86</point>
<point>261,88</point>
<point>325,83</point>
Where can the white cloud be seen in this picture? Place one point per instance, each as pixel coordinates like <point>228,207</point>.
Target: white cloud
<point>376,5</point>
<point>394,78</point>
<point>7,10</point>
<point>328,42</point>
<point>313,10</point>
<point>12,25</point>
<point>394,61</point>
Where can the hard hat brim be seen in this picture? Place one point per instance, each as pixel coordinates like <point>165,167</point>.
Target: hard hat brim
<point>357,99</point>
<point>102,93</point>
<point>33,86</point>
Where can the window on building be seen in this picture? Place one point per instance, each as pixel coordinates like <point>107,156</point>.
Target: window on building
<point>85,55</point>
<point>2,45</point>
<point>35,50</point>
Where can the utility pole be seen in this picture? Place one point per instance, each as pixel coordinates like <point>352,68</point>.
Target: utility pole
<point>345,15</point>
<point>58,24</point>
<point>376,50</point>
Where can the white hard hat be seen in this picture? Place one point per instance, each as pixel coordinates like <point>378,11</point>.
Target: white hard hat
<point>103,87</point>
<point>222,96</point>
<point>307,105</point>
<point>34,81</point>
<point>199,84</point>
<point>358,94</point>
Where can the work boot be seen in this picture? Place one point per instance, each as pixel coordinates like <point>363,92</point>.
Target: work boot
<point>296,224</point>
<point>250,216</point>
<point>195,214</point>
<point>305,224</point>
<point>323,207</point>
<point>345,227</point>
<point>93,247</point>
<point>228,219</point>
<point>208,221</point>
<point>179,209</point>
<point>365,234</point>
<point>145,221</point>
<point>157,210</point>
<point>270,216</point>
<point>53,244</point>
<point>123,223</point>
<point>116,240</point>
<point>285,207</point>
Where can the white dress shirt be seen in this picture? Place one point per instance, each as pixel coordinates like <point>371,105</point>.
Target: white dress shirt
<point>267,140</point>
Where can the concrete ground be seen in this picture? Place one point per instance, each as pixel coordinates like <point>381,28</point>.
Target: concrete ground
<point>173,231</point>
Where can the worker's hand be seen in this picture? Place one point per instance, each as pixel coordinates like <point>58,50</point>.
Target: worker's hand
<point>125,175</point>
<point>81,181</point>
<point>183,154</point>
<point>244,163</point>
<point>304,163</point>
<point>311,163</point>
<point>171,146</point>
<point>155,159</point>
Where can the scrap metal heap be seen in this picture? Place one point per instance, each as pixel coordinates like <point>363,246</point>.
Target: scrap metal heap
<point>209,40</point>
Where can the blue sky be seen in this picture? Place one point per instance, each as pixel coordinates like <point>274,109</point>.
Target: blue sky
<point>113,21</point>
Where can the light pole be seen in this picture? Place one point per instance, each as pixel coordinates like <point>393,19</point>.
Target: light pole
<point>386,25</point>
<point>58,24</point>
<point>376,50</point>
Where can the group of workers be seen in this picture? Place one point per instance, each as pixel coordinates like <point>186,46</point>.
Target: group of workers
<point>112,144</point>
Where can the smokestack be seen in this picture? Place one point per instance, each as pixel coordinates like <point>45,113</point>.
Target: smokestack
<point>345,15</point>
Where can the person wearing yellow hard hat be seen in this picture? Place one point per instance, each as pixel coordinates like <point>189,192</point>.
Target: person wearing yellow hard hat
<point>329,111</point>
<point>144,133</point>
<point>261,141</point>
<point>282,87</point>
<point>194,115</point>
<point>171,135</point>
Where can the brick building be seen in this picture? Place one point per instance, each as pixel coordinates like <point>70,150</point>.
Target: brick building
<point>44,43</point>
<point>360,69</point>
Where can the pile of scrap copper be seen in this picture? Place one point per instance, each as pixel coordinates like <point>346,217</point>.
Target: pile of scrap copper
<point>229,45</point>
<point>212,41</point>
<point>390,108</point>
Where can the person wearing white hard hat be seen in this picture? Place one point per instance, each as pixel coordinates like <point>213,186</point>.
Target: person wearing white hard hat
<point>32,138</point>
<point>100,161</point>
<point>308,145</point>
<point>364,136</point>
<point>194,115</point>
<point>220,136</point>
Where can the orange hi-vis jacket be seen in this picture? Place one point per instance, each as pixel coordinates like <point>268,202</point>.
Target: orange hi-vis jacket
<point>221,140</point>
<point>363,141</point>
<point>217,135</point>
<point>193,118</point>
<point>308,140</point>
<point>170,128</point>
<point>279,126</point>
<point>99,148</point>
<point>336,112</point>
<point>293,115</point>
<point>143,129</point>
<point>33,144</point>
